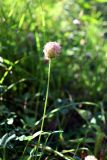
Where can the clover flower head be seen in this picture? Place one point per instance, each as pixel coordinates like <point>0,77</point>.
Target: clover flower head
<point>90,157</point>
<point>51,50</point>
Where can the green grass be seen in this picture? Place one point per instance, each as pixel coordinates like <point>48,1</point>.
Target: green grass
<point>62,116</point>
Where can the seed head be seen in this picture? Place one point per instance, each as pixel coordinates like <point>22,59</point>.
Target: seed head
<point>51,50</point>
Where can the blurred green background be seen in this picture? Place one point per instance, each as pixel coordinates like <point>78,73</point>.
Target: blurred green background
<point>79,75</point>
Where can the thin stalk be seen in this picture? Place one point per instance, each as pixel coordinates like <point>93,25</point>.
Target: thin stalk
<point>4,153</point>
<point>45,105</point>
<point>44,114</point>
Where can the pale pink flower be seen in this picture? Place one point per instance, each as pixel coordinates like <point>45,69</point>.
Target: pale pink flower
<point>90,157</point>
<point>51,50</point>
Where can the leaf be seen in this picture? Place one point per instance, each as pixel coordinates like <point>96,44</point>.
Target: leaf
<point>21,138</point>
<point>59,154</point>
<point>28,138</point>
<point>101,1</point>
<point>99,138</point>
<point>6,138</point>
<point>9,139</point>
<point>21,20</point>
<point>86,115</point>
<point>10,121</point>
<point>3,139</point>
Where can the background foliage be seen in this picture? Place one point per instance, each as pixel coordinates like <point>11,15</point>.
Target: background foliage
<point>78,91</point>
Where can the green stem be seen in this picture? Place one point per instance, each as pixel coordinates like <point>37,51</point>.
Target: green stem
<point>44,113</point>
<point>45,105</point>
<point>4,153</point>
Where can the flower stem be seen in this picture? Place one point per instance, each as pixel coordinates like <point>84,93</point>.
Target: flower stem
<point>45,105</point>
<point>44,114</point>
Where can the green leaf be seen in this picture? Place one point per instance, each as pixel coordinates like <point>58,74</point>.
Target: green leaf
<point>98,143</point>
<point>21,20</point>
<point>101,1</point>
<point>6,138</point>
<point>86,115</point>
<point>10,121</point>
